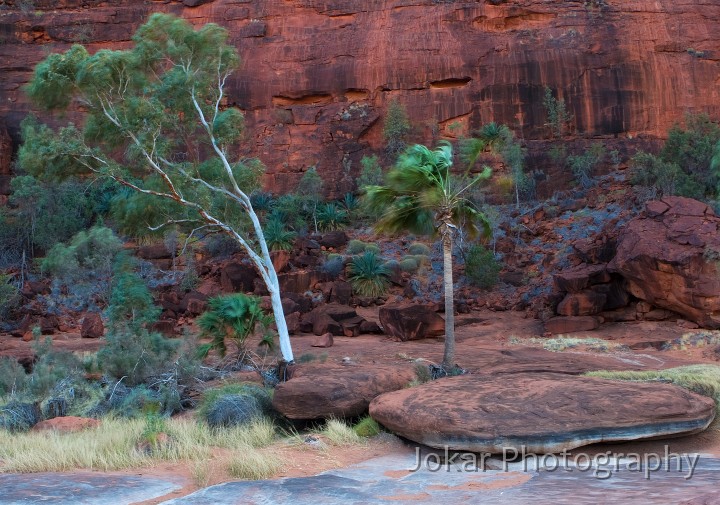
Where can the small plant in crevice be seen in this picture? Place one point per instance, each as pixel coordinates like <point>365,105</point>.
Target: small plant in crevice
<point>368,275</point>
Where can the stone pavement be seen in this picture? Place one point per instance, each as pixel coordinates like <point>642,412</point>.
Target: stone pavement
<point>388,480</point>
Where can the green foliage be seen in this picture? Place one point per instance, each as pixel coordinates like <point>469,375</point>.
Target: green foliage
<point>687,165</point>
<point>356,246</point>
<point>50,367</point>
<point>51,212</point>
<point>371,173</point>
<point>582,165</point>
<point>331,217</point>
<point>88,256</point>
<point>12,376</point>
<point>558,153</point>
<point>131,350</point>
<point>419,248</point>
<point>661,177</point>
<point>235,404</point>
<point>368,275</point>
<point>409,264</point>
<point>232,317</point>
<point>136,355</point>
<point>421,194</point>
<point>131,303</point>
<point>309,191</point>
<point>9,295</point>
<point>367,427</point>
<point>18,416</point>
<point>333,266</point>
<point>396,127</point>
<point>481,267</point>
<point>558,117</point>
<point>278,237</point>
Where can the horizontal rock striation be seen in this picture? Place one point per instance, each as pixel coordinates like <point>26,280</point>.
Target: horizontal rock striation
<point>541,413</point>
<point>317,75</point>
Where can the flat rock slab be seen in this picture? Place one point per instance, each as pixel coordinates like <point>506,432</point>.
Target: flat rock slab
<point>392,480</point>
<point>81,488</point>
<point>540,412</point>
<point>322,392</point>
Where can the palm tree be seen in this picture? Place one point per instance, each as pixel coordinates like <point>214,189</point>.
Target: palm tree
<point>422,196</point>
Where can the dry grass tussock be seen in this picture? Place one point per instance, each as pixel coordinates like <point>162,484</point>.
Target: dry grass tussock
<point>114,445</point>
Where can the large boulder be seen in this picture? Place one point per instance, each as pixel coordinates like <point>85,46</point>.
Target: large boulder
<point>669,258</point>
<point>322,392</point>
<point>541,413</point>
<point>92,326</point>
<point>411,322</point>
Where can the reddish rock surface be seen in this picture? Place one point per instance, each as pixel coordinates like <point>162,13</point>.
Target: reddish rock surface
<point>317,76</point>
<point>558,325</point>
<point>337,391</point>
<point>411,322</point>
<point>538,412</point>
<point>66,424</point>
<point>669,259</point>
<point>92,326</point>
<point>325,340</point>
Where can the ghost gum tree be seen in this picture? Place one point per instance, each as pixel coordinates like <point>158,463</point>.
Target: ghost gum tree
<point>156,123</point>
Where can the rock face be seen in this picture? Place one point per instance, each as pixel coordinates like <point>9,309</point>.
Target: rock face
<point>669,258</point>
<point>317,76</point>
<point>543,412</point>
<point>336,391</point>
<point>411,322</point>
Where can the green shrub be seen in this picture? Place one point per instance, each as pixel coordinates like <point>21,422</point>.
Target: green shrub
<point>371,173</point>
<point>52,212</point>
<point>87,258</point>
<point>278,238</point>
<point>233,317</point>
<point>330,216</point>
<point>418,248</point>
<point>12,376</point>
<point>333,266</point>
<point>50,367</point>
<point>582,165</point>
<point>396,127</point>
<point>18,416</point>
<point>662,177</point>
<point>235,404</point>
<point>409,264</point>
<point>9,295</point>
<point>136,354</point>
<point>421,259</point>
<point>356,246</point>
<point>373,248</point>
<point>367,427</point>
<point>558,117</point>
<point>131,350</point>
<point>481,267</point>
<point>369,275</point>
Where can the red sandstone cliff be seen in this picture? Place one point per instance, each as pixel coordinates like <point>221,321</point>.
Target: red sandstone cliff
<point>318,73</point>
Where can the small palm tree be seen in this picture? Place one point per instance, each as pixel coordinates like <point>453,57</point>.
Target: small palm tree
<point>422,196</point>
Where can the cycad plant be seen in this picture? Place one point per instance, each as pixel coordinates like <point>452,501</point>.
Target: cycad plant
<point>368,275</point>
<point>278,237</point>
<point>422,196</point>
<point>233,317</point>
<point>330,216</point>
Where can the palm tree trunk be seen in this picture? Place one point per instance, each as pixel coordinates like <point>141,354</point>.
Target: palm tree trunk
<point>449,356</point>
